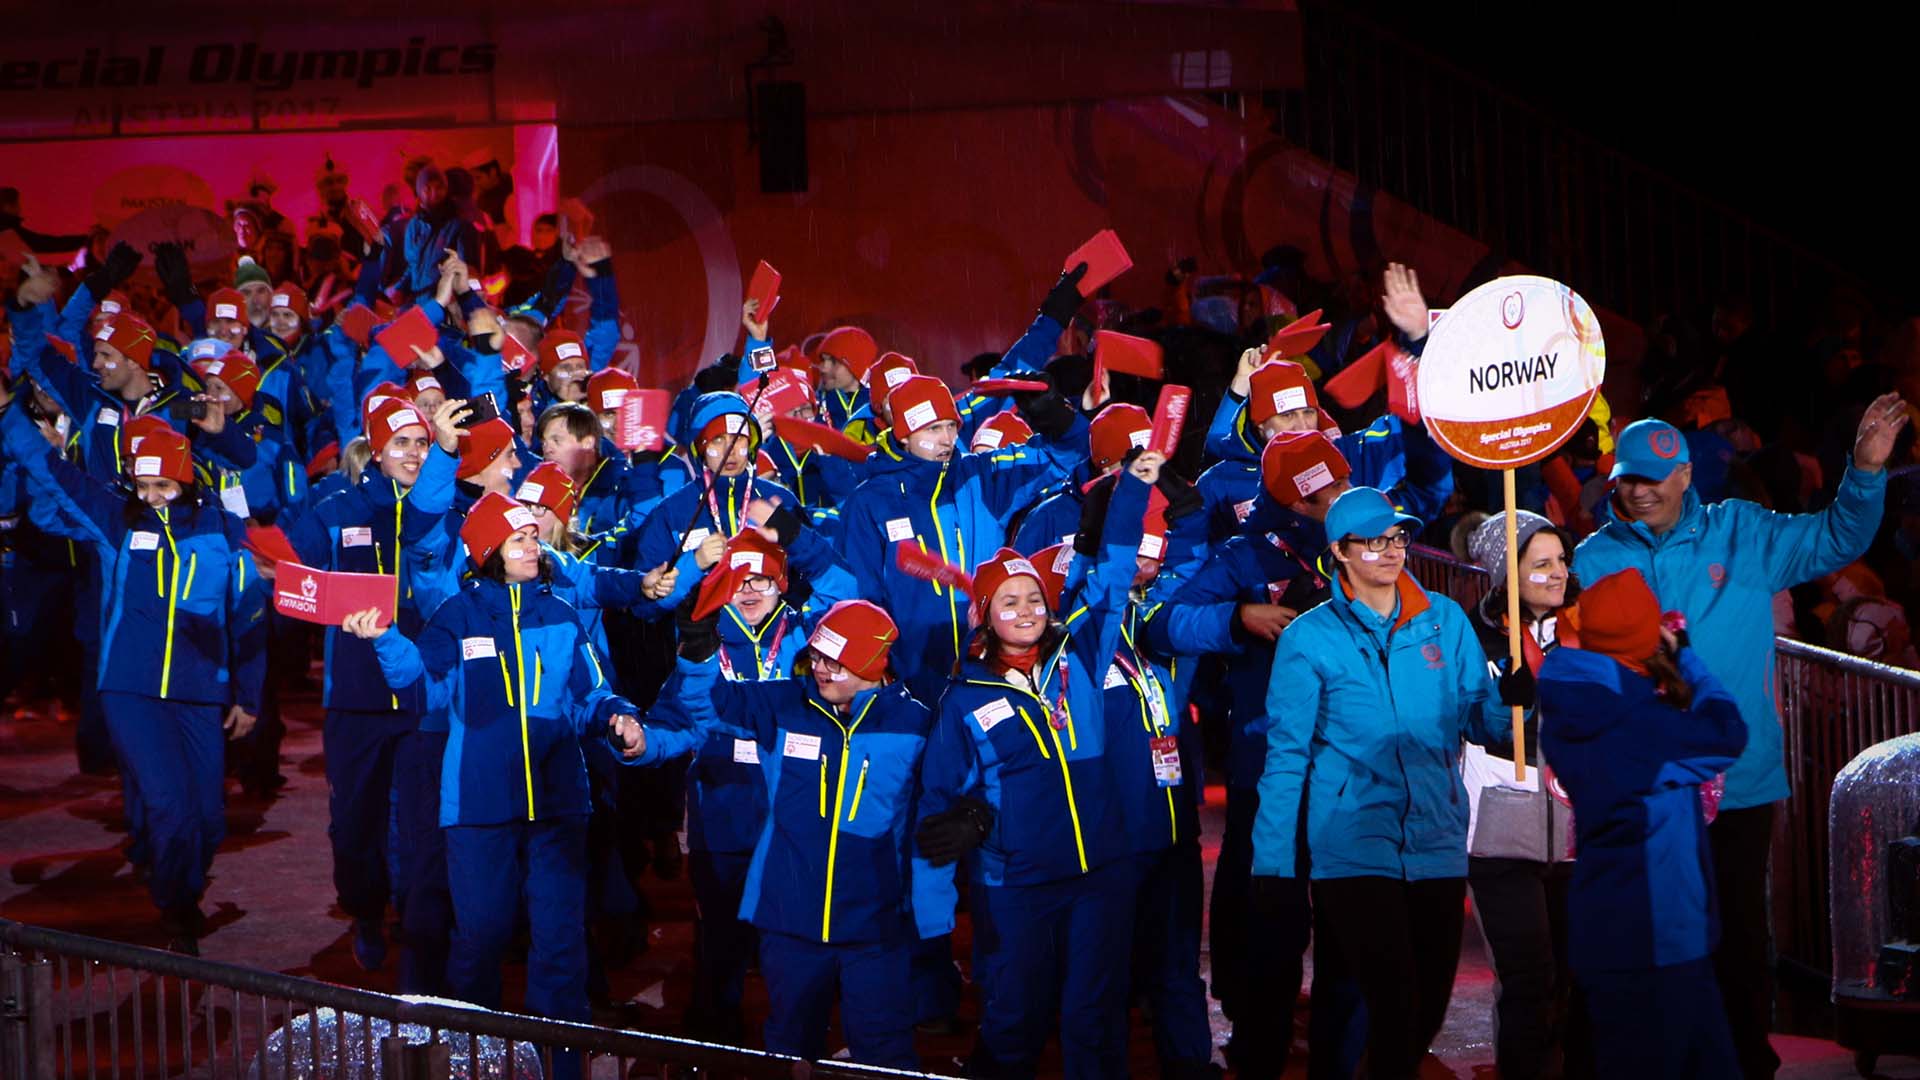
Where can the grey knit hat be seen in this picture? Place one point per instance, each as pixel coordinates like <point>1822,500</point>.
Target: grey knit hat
<point>1488,547</point>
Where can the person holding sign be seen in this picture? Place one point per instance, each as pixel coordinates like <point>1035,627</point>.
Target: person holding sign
<point>372,528</point>
<point>182,650</point>
<point>510,668</point>
<point>1381,663</point>
<point>1017,775</point>
<point>1719,566</point>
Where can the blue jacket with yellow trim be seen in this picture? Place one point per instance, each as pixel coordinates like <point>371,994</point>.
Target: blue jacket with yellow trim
<point>512,671</point>
<point>1642,892</point>
<point>1038,759</point>
<point>1027,355</point>
<point>654,541</point>
<point>1144,703</point>
<point>1720,566</point>
<point>1367,715</point>
<point>957,510</point>
<point>838,407</point>
<point>1397,457</point>
<point>375,527</point>
<point>831,862</point>
<point>1200,615</point>
<point>182,613</point>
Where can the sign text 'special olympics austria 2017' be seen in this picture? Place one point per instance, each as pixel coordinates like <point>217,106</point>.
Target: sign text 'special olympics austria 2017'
<point>1510,371</point>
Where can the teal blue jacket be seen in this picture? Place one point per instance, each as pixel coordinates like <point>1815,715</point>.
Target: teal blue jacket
<point>1366,716</point>
<point>1720,566</point>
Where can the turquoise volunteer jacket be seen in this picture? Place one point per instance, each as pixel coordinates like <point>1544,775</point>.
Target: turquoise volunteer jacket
<point>1367,715</point>
<point>513,672</point>
<point>1720,566</point>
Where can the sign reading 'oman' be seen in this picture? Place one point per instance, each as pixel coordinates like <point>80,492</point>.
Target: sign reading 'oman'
<point>1510,371</point>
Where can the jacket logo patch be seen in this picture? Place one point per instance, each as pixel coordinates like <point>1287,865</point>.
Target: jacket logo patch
<point>1717,574</point>
<point>989,715</point>
<point>1114,677</point>
<point>1242,509</point>
<point>1435,658</point>
<point>477,648</point>
<point>805,747</point>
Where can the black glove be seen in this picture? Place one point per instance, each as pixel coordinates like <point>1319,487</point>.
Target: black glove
<point>1048,411</point>
<point>699,638</point>
<point>1517,687</point>
<point>119,265</point>
<point>948,835</point>
<point>1064,298</point>
<point>785,525</point>
<point>1182,498</point>
<point>176,279</point>
<point>1093,515</point>
<point>1071,373</point>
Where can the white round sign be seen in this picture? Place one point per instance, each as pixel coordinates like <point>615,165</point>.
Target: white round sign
<point>1510,371</point>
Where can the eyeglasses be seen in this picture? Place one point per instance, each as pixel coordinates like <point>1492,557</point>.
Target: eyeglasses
<point>760,584</point>
<point>1399,538</point>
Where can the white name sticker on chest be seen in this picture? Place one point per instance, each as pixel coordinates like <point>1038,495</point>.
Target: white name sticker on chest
<point>477,648</point>
<point>143,541</point>
<point>356,536</point>
<point>1242,509</point>
<point>1115,677</point>
<point>802,746</point>
<point>899,529</point>
<point>746,751</point>
<point>109,417</point>
<point>988,716</point>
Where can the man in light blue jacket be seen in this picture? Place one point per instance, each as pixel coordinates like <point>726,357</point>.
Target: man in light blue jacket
<point>1720,566</point>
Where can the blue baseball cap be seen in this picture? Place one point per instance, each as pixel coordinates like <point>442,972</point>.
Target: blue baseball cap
<point>1650,449</point>
<point>1363,512</point>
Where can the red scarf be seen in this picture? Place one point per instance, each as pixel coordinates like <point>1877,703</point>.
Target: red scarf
<point>1023,659</point>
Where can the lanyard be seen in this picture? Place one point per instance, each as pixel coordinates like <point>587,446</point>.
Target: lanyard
<point>1058,714</point>
<point>713,503</point>
<point>765,664</point>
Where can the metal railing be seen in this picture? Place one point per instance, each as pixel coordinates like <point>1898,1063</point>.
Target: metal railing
<point>1832,706</point>
<point>1403,120</point>
<point>75,1007</point>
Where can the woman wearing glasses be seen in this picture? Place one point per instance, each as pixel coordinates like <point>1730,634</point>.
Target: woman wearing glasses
<point>1371,697</point>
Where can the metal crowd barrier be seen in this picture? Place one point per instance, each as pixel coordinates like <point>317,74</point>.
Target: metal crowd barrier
<point>1832,706</point>
<point>76,1007</point>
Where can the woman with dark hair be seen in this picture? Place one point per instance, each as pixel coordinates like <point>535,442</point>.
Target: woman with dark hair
<point>181,645</point>
<point>1018,767</point>
<point>1634,724</point>
<point>1520,832</point>
<point>509,666</point>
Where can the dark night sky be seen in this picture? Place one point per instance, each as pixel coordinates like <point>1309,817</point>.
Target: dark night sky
<point>1803,119</point>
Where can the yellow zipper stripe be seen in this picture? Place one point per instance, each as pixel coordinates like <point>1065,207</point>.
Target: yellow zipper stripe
<point>1037,740</point>
<point>539,675</point>
<point>520,661</point>
<point>173,602</point>
<point>823,790</point>
<point>1073,808</point>
<point>933,507</point>
<point>833,834</point>
<point>506,680</point>
<point>859,789</point>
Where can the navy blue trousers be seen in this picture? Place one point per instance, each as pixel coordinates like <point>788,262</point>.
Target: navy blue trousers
<point>1660,1022</point>
<point>171,757</point>
<point>723,945</point>
<point>426,904</point>
<point>496,873</point>
<point>872,984</point>
<point>1061,947</point>
<point>1169,885</point>
<point>359,749</point>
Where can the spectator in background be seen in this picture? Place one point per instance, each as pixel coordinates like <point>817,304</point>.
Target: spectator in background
<point>39,243</point>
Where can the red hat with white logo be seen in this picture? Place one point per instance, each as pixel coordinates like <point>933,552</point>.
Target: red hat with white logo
<point>1002,429</point>
<point>115,303</point>
<point>1005,565</point>
<point>241,374</point>
<point>787,389</point>
<point>481,445</point>
<point>857,634</point>
<point>560,346</point>
<point>391,417</point>
<point>491,522</point>
<point>227,304</point>
<point>886,373</point>
<point>607,389</point>
<point>131,335</point>
<point>421,381</point>
<point>292,297</point>
<point>920,401</point>
<point>1296,464</point>
<point>1279,386</point>
<point>1054,564</point>
<point>133,433</point>
<point>1117,429</point>
<point>549,485</point>
<point>851,346</point>
<point>165,454</point>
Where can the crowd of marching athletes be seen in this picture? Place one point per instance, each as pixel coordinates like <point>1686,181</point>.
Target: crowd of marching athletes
<point>909,653</point>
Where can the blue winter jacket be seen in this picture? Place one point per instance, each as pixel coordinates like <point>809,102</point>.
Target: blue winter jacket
<point>838,407</point>
<point>373,528</point>
<point>1039,759</point>
<point>1366,715</point>
<point>957,510</point>
<point>511,669</point>
<point>1720,566</point>
<point>831,861</point>
<point>182,611</point>
<point>1642,893</point>
<point>1143,702</point>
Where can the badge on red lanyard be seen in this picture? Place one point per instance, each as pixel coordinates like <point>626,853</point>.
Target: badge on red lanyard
<point>1057,712</point>
<point>765,664</point>
<point>713,506</point>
